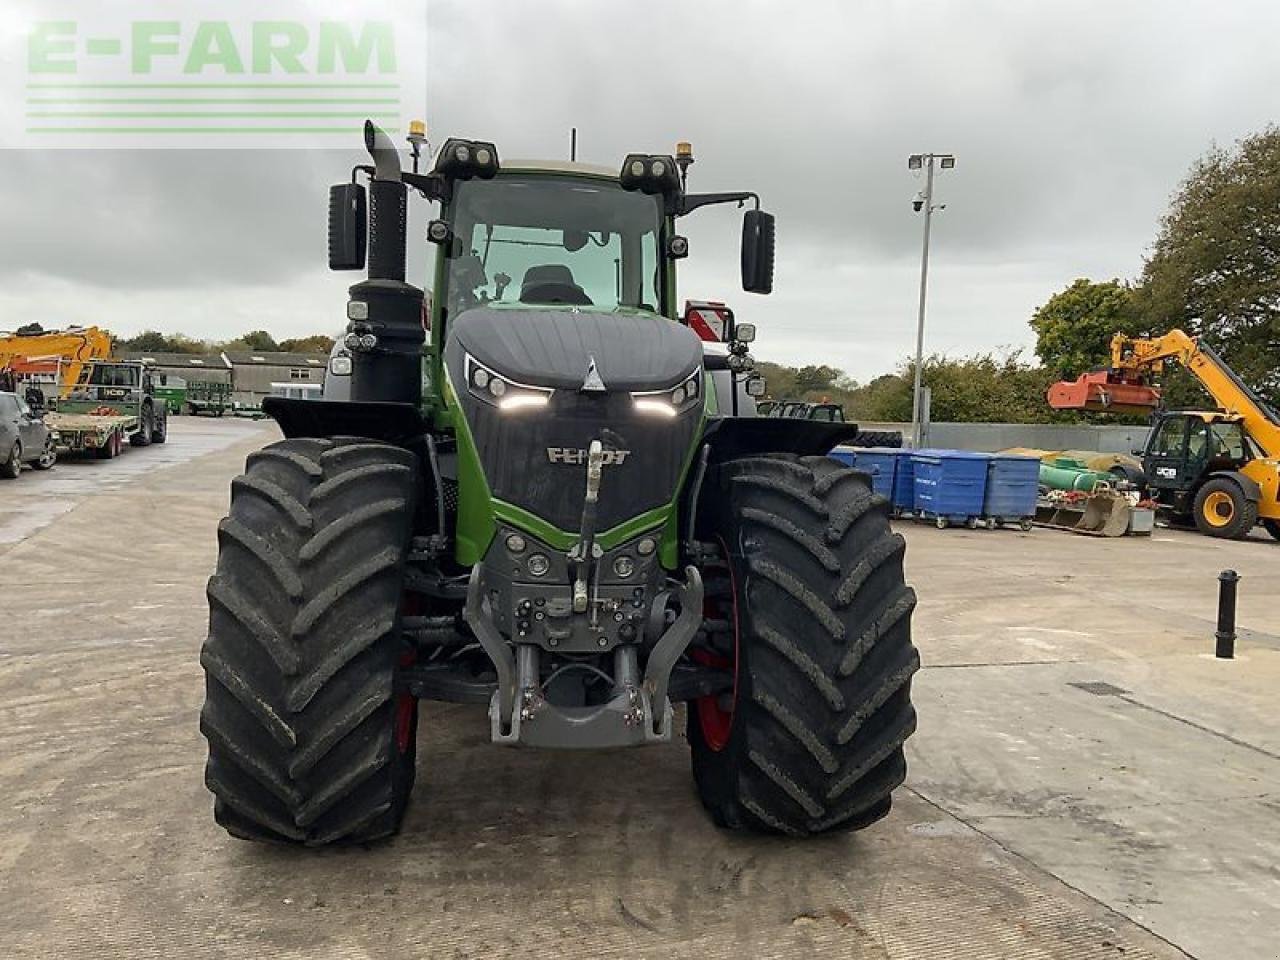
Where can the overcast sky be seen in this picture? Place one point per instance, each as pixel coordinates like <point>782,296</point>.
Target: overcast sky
<point>1072,124</point>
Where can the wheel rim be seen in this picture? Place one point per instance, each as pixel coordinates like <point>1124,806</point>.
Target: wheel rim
<point>1219,509</point>
<point>15,457</point>
<point>714,721</point>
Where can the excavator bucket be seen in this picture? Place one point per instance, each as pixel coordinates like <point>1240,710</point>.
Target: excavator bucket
<point>1104,392</point>
<point>1103,513</point>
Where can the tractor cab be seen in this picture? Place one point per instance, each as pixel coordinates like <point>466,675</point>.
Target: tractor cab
<point>1184,447</point>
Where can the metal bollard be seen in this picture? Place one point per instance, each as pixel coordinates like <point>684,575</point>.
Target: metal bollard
<point>1226,633</point>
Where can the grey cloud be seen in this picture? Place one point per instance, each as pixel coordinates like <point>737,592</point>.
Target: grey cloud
<point>1072,124</point>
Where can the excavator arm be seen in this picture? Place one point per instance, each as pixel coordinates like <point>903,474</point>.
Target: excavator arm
<point>68,352</point>
<point>1129,385</point>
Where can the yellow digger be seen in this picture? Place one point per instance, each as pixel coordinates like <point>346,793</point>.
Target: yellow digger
<point>61,356</point>
<point>1219,468</point>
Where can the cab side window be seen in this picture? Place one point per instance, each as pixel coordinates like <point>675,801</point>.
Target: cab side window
<point>1228,441</point>
<point>1199,442</point>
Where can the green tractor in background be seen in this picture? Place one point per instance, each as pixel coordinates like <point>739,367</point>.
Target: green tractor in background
<point>542,508</point>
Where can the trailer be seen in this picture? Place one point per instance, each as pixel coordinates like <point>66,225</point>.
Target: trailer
<point>210,398</point>
<point>115,403</point>
<point>102,435</point>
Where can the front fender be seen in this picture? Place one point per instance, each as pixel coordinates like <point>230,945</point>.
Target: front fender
<point>733,437</point>
<point>398,423</point>
<point>1252,491</point>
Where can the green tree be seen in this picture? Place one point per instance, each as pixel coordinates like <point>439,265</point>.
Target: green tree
<point>254,340</point>
<point>817,378</point>
<point>885,399</point>
<point>1215,267</point>
<point>1074,327</point>
<point>154,341</point>
<point>316,343</point>
<point>986,388</point>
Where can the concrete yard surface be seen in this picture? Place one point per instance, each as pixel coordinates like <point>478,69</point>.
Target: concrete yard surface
<point>1087,781</point>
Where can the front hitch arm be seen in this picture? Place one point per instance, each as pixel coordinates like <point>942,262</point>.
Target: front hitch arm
<point>662,660</point>
<point>478,616</point>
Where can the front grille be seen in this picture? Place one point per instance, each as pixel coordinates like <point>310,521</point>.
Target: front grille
<point>514,453</point>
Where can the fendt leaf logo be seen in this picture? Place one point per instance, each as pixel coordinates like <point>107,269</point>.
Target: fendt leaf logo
<point>267,73</point>
<point>611,458</point>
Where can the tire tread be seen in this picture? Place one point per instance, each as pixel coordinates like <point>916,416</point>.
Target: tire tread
<point>825,654</point>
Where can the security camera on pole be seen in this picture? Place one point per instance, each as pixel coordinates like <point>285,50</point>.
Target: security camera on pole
<point>924,202</point>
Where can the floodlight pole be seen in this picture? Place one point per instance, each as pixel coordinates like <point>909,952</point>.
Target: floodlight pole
<point>917,396</point>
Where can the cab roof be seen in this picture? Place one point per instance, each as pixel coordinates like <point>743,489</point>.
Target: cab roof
<point>558,166</point>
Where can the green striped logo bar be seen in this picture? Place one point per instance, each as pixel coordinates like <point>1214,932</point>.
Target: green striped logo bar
<point>267,74</point>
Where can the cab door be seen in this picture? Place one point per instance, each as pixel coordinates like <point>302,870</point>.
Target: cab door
<point>1165,463</point>
<point>32,429</point>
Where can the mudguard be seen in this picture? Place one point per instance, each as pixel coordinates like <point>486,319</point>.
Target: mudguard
<point>1252,491</point>
<point>733,437</point>
<point>398,423</point>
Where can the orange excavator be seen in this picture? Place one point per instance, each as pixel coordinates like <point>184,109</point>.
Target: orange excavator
<point>60,358</point>
<point>1219,468</point>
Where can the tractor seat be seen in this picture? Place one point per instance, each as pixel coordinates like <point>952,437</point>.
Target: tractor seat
<point>552,283</point>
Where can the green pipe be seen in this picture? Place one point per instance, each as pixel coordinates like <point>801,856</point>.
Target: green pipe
<point>1065,473</point>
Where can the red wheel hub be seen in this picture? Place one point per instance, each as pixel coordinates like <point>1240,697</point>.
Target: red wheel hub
<point>405,706</point>
<point>714,721</point>
<point>407,703</point>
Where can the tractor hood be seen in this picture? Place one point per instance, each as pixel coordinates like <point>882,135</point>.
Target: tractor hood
<point>556,347</point>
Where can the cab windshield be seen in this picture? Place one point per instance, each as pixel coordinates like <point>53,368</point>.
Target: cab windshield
<point>555,240</point>
<point>113,375</point>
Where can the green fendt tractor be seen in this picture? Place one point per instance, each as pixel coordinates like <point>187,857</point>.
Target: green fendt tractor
<point>541,507</point>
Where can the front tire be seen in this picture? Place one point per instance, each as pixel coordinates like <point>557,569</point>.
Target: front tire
<point>812,737</point>
<point>11,466</point>
<point>1272,527</point>
<point>48,457</point>
<point>1222,510</point>
<point>143,437</point>
<point>311,739</point>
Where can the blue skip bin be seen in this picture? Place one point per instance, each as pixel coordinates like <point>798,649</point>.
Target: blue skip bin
<point>880,463</point>
<point>1012,484</point>
<point>846,455</point>
<point>949,485</point>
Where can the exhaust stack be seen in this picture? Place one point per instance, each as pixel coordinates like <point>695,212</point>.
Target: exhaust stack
<point>386,332</point>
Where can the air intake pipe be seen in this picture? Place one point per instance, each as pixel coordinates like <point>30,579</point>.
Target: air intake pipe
<point>386,332</point>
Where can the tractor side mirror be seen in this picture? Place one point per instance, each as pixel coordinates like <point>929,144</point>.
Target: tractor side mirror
<point>348,226</point>
<point>757,252</point>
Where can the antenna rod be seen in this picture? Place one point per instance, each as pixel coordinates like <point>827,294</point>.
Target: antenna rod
<point>573,144</point>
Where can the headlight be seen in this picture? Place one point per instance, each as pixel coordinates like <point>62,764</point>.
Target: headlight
<point>672,401</point>
<point>340,366</point>
<point>464,159</point>
<point>492,388</point>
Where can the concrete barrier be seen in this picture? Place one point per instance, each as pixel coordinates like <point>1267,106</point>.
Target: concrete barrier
<point>1043,436</point>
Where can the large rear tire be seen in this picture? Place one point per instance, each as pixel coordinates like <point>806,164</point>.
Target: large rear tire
<point>877,438</point>
<point>311,738</point>
<point>812,738</point>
